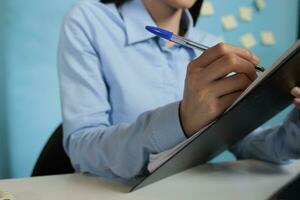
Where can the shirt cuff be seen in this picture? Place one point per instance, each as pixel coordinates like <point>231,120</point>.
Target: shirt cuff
<point>168,131</point>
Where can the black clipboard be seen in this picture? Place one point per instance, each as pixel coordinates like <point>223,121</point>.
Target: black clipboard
<point>265,100</point>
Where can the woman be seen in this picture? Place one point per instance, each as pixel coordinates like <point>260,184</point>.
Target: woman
<point>127,94</point>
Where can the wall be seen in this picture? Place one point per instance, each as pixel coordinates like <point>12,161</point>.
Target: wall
<point>33,108</point>
<point>4,163</point>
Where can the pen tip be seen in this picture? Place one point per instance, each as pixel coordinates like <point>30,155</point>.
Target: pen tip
<point>159,32</point>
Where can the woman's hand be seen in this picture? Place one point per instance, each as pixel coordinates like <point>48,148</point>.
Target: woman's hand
<point>208,92</point>
<point>296,93</point>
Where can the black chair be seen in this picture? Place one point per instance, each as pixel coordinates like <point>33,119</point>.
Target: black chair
<point>53,159</point>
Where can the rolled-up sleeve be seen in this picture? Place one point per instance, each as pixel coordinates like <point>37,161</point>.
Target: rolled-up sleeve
<point>278,144</point>
<point>91,141</point>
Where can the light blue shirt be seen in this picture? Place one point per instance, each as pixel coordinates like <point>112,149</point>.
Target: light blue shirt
<point>121,87</point>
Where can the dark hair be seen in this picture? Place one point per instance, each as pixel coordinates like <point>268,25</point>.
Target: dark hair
<point>194,10</point>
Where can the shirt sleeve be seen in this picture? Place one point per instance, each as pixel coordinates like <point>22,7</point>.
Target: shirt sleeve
<point>93,144</point>
<point>276,144</point>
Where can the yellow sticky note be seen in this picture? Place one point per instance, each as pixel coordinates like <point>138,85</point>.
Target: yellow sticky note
<point>267,38</point>
<point>229,22</point>
<point>248,40</point>
<point>207,9</point>
<point>246,13</point>
<point>260,4</point>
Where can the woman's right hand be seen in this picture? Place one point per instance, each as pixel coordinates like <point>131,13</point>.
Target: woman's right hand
<point>208,92</point>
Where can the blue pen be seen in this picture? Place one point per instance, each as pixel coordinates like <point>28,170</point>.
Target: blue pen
<point>168,35</point>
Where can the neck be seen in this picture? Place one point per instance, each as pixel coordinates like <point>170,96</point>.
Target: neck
<point>164,16</point>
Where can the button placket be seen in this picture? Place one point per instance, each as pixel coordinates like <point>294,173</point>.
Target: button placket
<point>170,82</point>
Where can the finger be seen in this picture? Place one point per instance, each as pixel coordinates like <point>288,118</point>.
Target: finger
<point>214,53</point>
<point>227,64</point>
<point>297,102</point>
<point>227,100</point>
<point>228,85</point>
<point>296,92</point>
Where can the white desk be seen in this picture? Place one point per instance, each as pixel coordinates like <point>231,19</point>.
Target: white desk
<point>232,180</point>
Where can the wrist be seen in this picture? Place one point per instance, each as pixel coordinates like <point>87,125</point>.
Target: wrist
<point>180,120</point>
<point>185,121</point>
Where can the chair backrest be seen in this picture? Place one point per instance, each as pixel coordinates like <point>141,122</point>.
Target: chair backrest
<point>53,159</point>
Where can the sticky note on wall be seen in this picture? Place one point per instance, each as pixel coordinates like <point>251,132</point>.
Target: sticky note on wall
<point>246,14</point>
<point>248,40</point>
<point>267,38</point>
<point>207,9</point>
<point>260,4</point>
<point>229,22</point>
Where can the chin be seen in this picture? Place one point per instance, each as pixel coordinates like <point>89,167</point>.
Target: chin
<point>180,4</point>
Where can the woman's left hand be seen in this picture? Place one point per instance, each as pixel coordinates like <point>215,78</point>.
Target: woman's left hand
<point>296,93</point>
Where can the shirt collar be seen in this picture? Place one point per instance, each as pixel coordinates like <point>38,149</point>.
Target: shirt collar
<point>136,17</point>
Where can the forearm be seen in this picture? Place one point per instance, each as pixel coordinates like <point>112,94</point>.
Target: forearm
<point>277,144</point>
<point>122,150</point>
